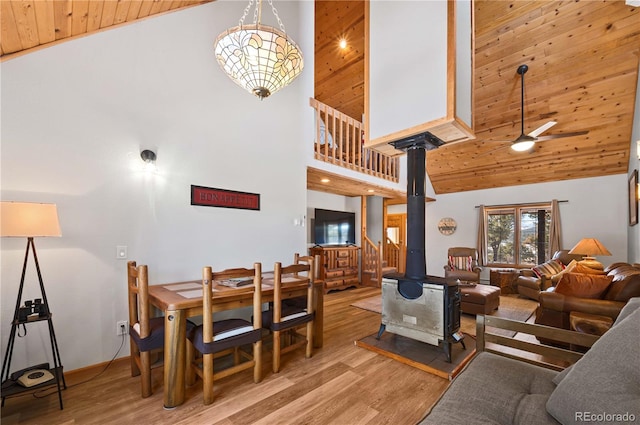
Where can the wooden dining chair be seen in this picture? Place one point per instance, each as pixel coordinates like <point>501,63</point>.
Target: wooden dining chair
<point>146,333</point>
<point>283,319</point>
<point>224,337</point>
<point>301,302</point>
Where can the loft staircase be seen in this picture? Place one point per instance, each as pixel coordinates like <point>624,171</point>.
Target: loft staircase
<point>371,278</point>
<point>373,265</point>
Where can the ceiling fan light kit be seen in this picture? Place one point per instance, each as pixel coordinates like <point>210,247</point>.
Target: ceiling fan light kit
<point>523,145</point>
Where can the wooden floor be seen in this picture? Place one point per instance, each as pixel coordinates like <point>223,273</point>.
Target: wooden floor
<point>340,384</point>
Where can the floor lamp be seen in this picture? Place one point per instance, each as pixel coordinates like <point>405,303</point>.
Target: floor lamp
<point>29,220</point>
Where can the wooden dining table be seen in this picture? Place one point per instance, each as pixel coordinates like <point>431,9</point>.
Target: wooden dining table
<point>181,300</point>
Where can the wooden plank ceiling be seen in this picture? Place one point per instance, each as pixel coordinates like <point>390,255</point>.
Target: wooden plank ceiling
<point>29,24</point>
<point>583,66</point>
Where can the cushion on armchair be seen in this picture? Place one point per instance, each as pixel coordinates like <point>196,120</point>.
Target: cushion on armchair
<point>461,263</point>
<point>583,285</point>
<point>548,269</point>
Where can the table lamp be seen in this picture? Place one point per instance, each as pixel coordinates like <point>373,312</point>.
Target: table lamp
<point>29,220</point>
<point>590,247</point>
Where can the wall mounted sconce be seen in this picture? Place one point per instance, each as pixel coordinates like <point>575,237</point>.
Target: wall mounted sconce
<point>149,158</point>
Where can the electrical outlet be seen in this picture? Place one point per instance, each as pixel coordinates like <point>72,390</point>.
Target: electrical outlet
<point>122,328</point>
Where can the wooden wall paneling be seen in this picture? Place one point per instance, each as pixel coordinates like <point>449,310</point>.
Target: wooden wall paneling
<point>80,18</point>
<point>122,11</point>
<point>134,10</point>
<point>108,14</point>
<point>145,9</point>
<point>339,74</point>
<point>25,17</point>
<point>63,12</point>
<point>95,15</point>
<point>9,30</point>
<point>30,24</point>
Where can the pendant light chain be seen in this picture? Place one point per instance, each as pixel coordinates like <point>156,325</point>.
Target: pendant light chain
<point>257,13</point>
<point>246,12</point>
<point>275,12</point>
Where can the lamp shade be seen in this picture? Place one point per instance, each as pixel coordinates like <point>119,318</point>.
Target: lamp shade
<point>28,219</point>
<point>589,247</point>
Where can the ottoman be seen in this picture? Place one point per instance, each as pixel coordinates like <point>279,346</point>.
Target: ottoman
<point>479,299</point>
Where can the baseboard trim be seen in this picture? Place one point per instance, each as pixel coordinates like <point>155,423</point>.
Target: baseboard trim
<point>95,368</point>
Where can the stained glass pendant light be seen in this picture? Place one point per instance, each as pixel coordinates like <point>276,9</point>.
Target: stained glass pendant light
<point>259,58</point>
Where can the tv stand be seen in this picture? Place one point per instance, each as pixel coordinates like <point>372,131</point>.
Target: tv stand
<point>339,266</point>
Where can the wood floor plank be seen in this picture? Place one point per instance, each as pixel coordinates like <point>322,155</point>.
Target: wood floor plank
<point>292,412</point>
<point>233,405</point>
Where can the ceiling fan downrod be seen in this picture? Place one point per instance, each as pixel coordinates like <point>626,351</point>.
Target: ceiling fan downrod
<point>523,142</point>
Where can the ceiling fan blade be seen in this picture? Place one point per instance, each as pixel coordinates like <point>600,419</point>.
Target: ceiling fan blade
<point>561,135</point>
<point>538,131</point>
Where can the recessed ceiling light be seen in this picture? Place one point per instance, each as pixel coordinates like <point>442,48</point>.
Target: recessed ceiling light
<point>325,180</point>
<point>370,190</point>
<point>343,43</point>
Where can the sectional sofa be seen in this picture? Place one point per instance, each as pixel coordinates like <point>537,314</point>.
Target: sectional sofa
<point>602,386</point>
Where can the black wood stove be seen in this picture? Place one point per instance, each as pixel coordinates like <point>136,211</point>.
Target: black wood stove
<point>416,305</point>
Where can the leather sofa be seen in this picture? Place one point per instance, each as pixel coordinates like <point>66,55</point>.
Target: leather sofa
<point>530,285</point>
<point>555,309</point>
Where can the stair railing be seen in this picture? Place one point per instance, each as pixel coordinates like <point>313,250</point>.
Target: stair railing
<point>372,259</point>
<point>392,254</point>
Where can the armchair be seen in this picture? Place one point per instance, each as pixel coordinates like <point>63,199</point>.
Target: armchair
<point>462,264</point>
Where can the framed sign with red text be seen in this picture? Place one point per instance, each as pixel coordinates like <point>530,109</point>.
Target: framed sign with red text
<point>212,197</point>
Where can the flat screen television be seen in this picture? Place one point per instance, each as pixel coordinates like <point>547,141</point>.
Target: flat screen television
<point>334,227</point>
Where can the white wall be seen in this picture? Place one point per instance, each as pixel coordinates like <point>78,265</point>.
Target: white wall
<point>74,119</point>
<point>399,97</point>
<point>464,61</point>
<point>375,223</point>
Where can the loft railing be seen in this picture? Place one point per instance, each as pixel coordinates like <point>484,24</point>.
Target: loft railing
<point>338,140</point>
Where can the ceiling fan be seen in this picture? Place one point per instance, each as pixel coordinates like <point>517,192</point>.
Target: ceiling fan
<point>524,142</point>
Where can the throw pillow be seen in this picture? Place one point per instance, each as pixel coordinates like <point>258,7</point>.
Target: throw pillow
<point>583,285</point>
<point>604,382</point>
<point>581,268</point>
<point>547,269</point>
<point>568,269</point>
<point>460,263</point>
